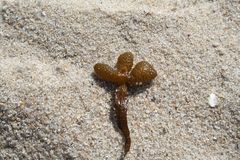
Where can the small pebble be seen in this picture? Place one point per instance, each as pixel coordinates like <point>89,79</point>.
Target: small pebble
<point>212,100</point>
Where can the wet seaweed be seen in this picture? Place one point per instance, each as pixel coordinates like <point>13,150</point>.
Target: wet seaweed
<point>124,76</point>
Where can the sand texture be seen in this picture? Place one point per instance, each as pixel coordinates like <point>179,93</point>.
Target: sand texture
<point>53,107</point>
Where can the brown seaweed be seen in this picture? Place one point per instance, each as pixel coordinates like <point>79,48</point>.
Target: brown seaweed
<point>123,75</point>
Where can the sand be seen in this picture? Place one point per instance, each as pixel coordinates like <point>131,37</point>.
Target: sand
<point>53,107</point>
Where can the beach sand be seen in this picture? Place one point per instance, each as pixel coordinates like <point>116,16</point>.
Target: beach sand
<point>53,107</point>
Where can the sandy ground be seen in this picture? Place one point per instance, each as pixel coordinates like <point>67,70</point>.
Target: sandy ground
<point>52,107</point>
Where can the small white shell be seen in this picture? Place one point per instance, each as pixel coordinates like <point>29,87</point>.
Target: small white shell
<point>213,100</point>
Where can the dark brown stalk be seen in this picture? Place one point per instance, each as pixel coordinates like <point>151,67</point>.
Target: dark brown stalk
<point>121,115</point>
